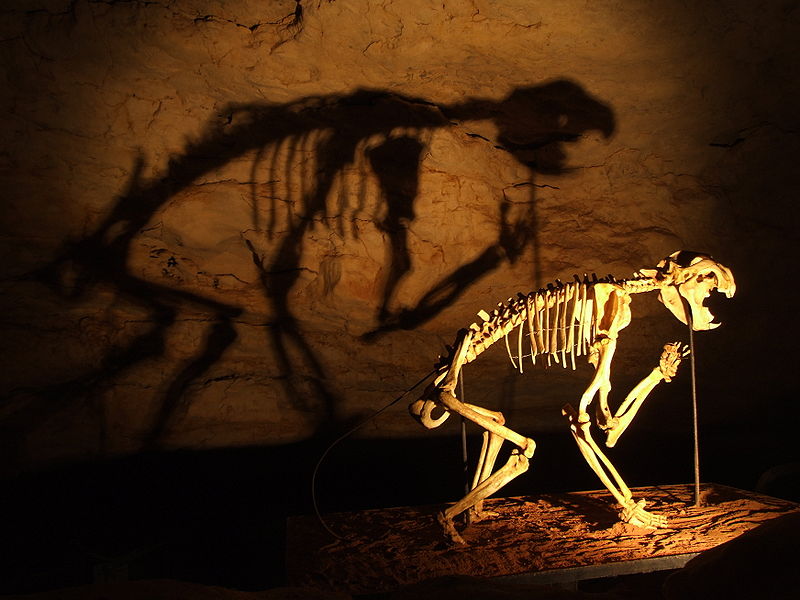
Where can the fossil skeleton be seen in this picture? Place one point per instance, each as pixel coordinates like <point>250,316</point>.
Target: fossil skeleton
<point>562,321</point>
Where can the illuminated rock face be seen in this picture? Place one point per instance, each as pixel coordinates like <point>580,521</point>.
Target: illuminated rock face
<point>231,223</point>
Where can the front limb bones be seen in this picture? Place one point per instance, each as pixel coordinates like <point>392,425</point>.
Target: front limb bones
<point>667,368</point>
<point>632,512</point>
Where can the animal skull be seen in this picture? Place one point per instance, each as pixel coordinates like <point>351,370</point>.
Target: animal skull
<point>689,279</point>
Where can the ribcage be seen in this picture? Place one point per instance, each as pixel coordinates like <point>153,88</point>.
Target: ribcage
<point>559,323</point>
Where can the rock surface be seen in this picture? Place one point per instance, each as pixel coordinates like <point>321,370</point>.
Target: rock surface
<point>235,223</point>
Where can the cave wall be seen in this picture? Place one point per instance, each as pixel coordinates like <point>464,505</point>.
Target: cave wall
<point>239,223</point>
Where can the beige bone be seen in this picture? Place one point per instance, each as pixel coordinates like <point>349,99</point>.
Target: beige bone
<point>590,326</point>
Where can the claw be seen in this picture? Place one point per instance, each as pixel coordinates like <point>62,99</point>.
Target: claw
<point>474,515</point>
<point>671,359</point>
<point>450,529</point>
<point>636,515</point>
<point>610,425</point>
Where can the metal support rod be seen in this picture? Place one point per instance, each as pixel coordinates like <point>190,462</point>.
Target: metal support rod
<point>694,417</point>
<point>464,457</point>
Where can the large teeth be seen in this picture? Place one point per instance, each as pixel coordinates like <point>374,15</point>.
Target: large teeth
<point>702,319</point>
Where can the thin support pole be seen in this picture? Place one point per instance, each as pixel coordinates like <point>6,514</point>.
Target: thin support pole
<point>694,417</point>
<point>464,457</point>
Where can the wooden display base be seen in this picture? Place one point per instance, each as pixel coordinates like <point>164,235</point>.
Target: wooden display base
<point>538,539</point>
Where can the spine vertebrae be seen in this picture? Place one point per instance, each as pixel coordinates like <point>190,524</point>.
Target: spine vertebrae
<point>559,321</point>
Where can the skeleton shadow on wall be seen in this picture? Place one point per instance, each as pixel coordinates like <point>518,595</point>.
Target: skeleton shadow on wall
<point>386,134</point>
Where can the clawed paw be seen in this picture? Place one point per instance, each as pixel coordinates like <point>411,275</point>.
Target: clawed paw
<point>671,357</point>
<point>610,425</point>
<point>636,515</point>
<point>450,529</point>
<point>475,515</point>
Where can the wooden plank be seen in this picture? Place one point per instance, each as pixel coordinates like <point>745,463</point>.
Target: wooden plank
<point>600,571</point>
<point>384,549</point>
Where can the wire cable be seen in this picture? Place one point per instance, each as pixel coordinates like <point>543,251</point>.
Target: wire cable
<point>345,435</point>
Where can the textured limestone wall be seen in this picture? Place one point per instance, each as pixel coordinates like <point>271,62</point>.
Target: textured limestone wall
<point>229,223</point>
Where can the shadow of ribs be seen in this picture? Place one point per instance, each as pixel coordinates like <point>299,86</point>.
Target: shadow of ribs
<point>320,169</point>
<point>580,318</point>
